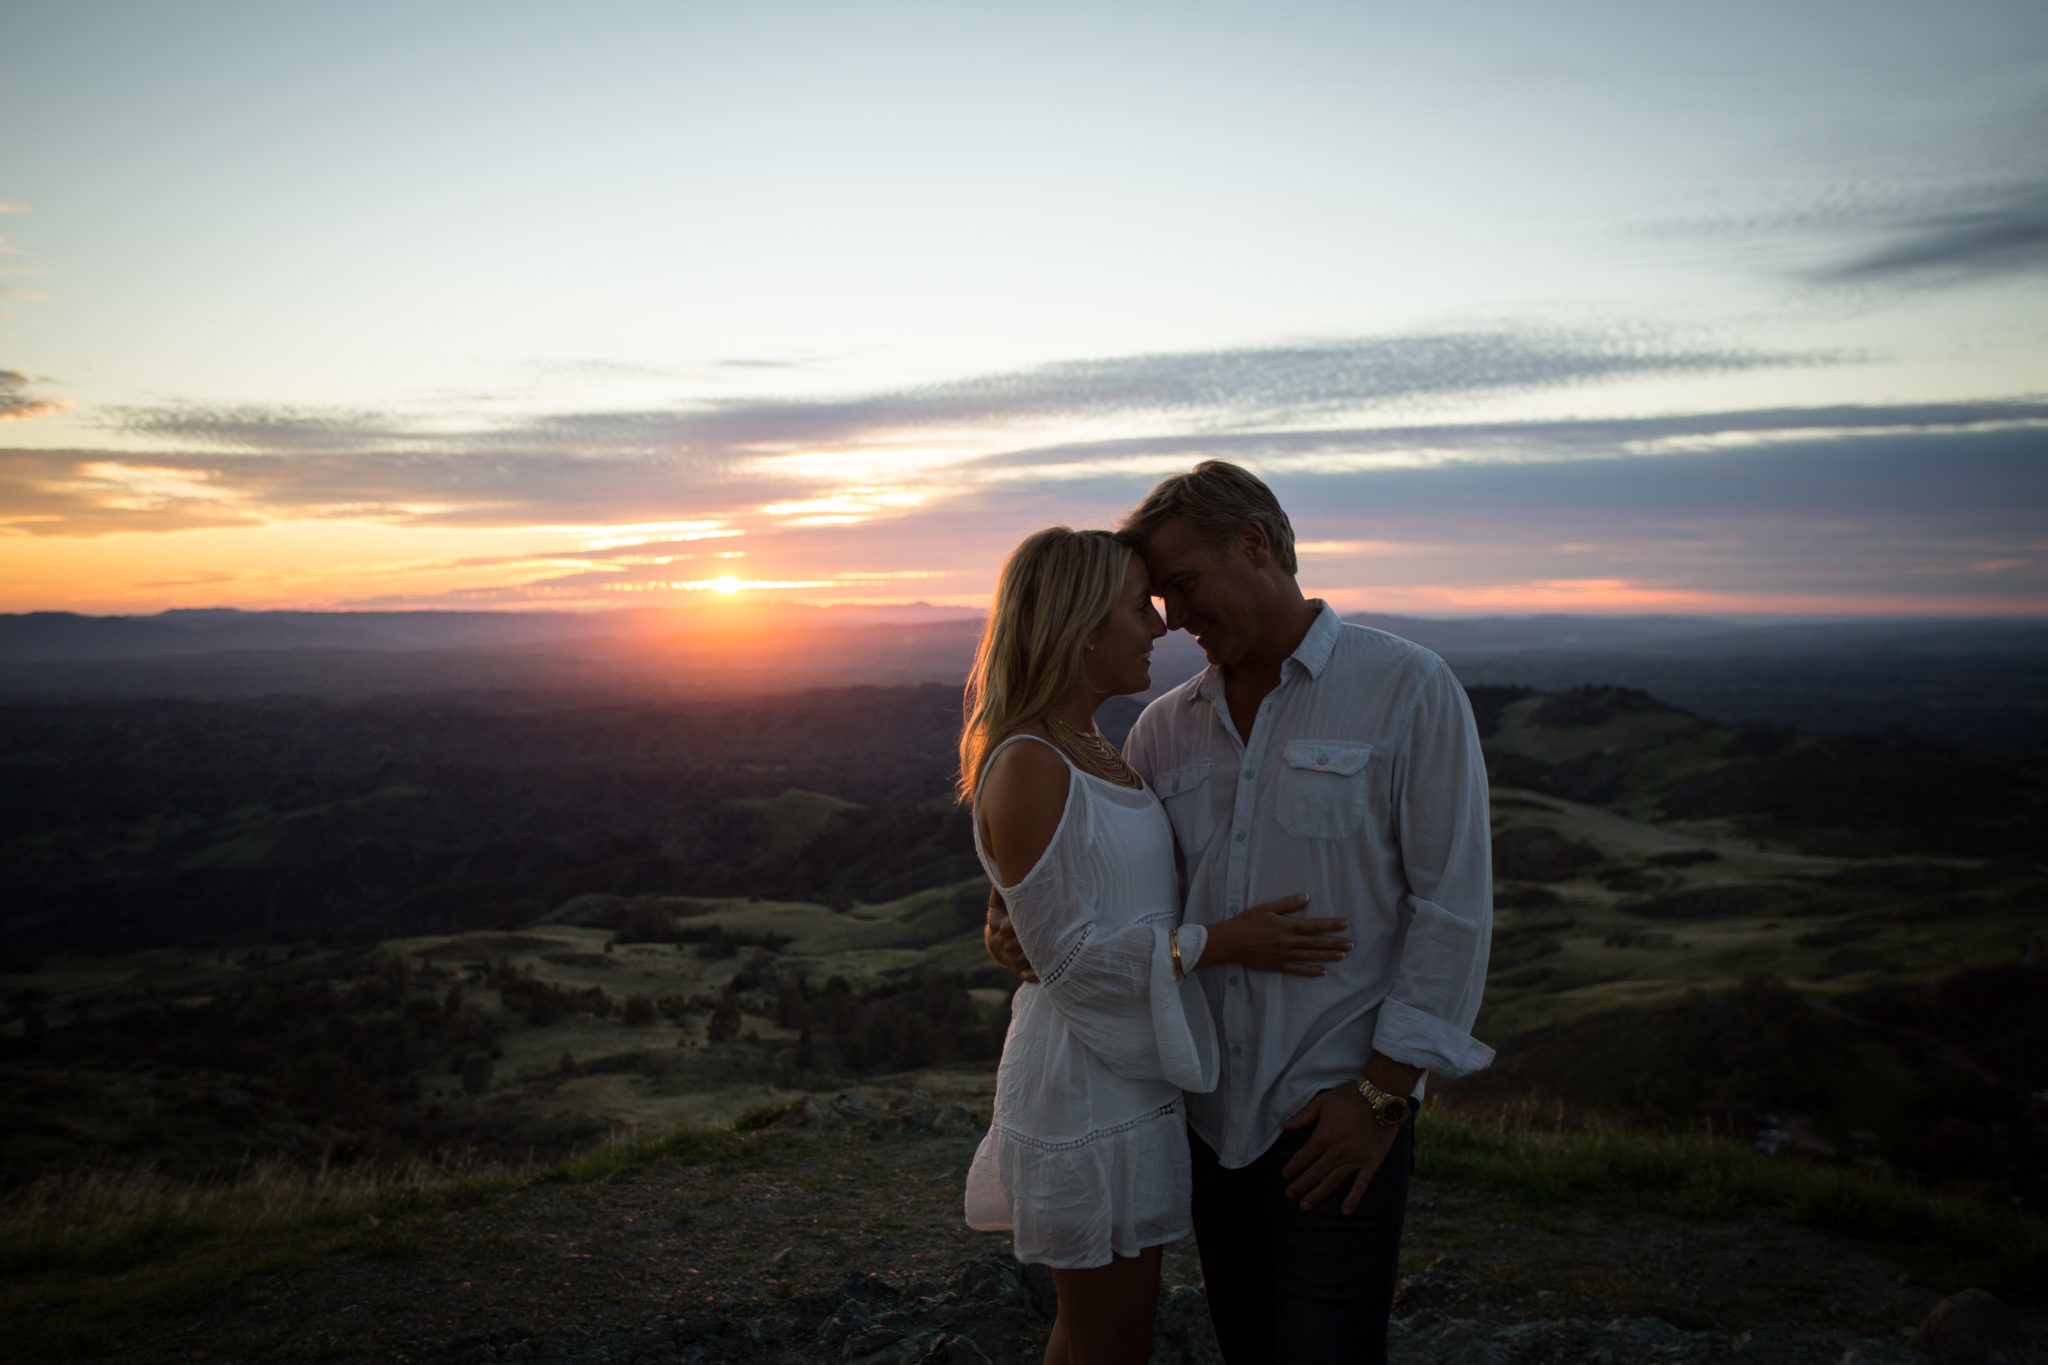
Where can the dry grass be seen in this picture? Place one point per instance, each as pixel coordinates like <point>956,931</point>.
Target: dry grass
<point>87,1257</point>
<point>104,1221</point>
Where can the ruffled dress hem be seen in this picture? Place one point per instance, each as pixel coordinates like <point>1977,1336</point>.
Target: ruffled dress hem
<point>1111,1192</point>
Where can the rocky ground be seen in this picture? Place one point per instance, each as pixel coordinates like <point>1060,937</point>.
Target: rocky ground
<point>992,1310</point>
<point>838,1238</point>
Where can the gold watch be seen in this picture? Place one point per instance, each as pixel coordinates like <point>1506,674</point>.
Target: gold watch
<point>1391,1111</point>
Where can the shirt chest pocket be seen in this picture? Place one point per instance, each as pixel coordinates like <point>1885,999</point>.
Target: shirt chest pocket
<point>1190,805</point>
<point>1322,788</point>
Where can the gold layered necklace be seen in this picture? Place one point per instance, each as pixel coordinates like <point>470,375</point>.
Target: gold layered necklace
<point>1091,752</point>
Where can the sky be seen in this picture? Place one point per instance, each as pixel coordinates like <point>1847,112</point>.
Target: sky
<point>1739,310</point>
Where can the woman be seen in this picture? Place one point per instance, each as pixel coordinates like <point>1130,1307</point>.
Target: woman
<point>1086,1161</point>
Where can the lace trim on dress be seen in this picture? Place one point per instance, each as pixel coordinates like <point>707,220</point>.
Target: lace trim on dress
<point>1157,917</point>
<point>1047,978</point>
<point>1167,1110</point>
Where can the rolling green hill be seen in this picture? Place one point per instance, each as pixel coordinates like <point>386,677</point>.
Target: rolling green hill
<point>1831,946</point>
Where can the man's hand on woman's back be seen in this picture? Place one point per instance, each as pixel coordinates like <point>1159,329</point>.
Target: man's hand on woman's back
<point>1000,938</point>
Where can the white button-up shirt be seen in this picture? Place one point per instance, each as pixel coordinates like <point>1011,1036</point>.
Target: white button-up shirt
<point>1361,785</point>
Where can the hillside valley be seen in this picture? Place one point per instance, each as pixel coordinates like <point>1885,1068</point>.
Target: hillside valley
<point>302,935</point>
<point>307,927</point>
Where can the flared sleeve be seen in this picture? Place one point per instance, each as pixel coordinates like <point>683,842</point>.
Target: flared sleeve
<point>1114,988</point>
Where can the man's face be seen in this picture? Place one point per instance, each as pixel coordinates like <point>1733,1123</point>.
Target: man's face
<point>1210,590</point>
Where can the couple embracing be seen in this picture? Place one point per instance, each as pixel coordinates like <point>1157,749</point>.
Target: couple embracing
<point>1246,939</point>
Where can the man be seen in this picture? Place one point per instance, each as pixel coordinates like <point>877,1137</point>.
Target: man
<point>1310,756</point>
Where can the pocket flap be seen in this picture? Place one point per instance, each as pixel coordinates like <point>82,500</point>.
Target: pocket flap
<point>1327,756</point>
<point>1185,778</point>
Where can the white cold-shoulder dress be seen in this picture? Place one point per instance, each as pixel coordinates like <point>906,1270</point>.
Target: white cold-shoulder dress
<point>1087,1155</point>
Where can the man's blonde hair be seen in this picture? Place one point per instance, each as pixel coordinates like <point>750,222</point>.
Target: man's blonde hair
<point>1055,588</point>
<point>1216,498</point>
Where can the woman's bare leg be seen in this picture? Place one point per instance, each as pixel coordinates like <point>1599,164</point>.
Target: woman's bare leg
<point>1105,1314</point>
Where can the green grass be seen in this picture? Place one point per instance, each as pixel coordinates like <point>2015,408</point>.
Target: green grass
<point>1608,1168</point>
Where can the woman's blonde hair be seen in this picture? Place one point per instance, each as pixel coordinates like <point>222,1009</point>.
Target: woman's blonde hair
<point>1055,588</point>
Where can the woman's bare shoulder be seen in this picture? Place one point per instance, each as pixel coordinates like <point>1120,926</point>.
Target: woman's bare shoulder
<point>1024,775</point>
<point>1023,798</point>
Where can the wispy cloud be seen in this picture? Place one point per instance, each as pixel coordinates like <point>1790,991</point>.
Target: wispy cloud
<point>17,406</point>
<point>798,461</point>
<point>805,484</point>
<point>72,492</point>
<point>1257,384</point>
<point>1220,390</point>
<point>1339,449</point>
<point>1996,233</point>
<point>1862,235</point>
<point>599,470</point>
<point>811,461</point>
<point>1935,504</point>
<point>1890,509</point>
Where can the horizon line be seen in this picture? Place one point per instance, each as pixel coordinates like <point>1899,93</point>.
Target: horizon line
<point>1875,615</point>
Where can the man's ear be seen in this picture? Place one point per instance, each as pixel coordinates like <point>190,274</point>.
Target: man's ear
<point>1258,549</point>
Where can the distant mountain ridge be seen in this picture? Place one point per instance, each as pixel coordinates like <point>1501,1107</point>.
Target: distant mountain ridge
<point>1688,636</point>
<point>1981,682</point>
<point>54,636</point>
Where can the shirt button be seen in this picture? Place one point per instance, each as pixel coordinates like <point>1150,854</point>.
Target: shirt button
<point>1249,771</point>
<point>1236,1050</point>
<point>1235,908</point>
<point>1240,836</point>
<point>1322,758</point>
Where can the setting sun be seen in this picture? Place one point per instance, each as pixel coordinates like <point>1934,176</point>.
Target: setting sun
<point>726,586</point>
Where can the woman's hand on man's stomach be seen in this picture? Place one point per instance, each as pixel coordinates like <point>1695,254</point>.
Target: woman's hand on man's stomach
<point>1271,937</point>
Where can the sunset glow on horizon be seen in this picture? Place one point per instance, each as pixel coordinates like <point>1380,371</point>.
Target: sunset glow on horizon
<point>1598,311</point>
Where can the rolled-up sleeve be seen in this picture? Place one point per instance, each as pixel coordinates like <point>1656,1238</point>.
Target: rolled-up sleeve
<point>1446,847</point>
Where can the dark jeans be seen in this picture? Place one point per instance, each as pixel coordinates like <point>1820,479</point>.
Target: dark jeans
<point>1299,1288</point>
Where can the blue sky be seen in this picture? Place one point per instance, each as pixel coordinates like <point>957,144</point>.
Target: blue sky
<point>1602,307</point>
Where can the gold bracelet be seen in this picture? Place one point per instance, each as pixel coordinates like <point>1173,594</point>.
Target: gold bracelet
<point>1173,942</point>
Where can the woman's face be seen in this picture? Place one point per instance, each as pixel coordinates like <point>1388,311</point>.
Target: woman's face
<point>1119,658</point>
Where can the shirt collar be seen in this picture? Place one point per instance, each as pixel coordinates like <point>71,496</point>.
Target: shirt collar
<point>1313,653</point>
